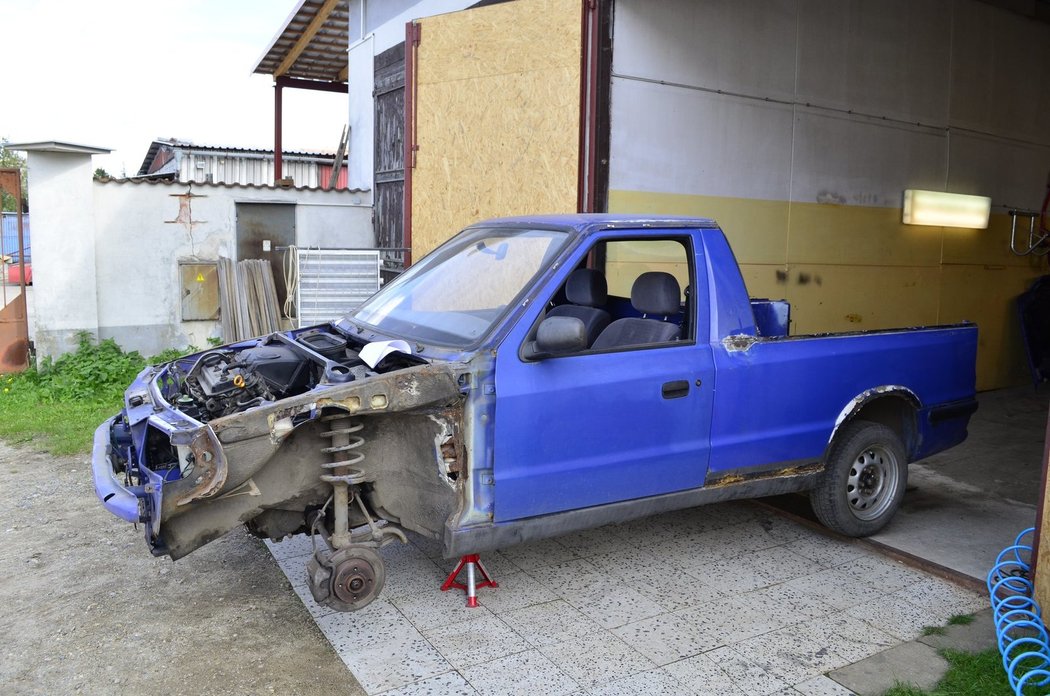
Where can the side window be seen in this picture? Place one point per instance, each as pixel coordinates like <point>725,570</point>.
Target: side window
<point>627,293</point>
<point>626,260</point>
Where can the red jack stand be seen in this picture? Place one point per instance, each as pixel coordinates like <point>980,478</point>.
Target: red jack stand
<point>471,561</point>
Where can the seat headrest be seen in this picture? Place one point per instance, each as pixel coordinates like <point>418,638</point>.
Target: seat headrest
<point>656,292</point>
<point>587,287</point>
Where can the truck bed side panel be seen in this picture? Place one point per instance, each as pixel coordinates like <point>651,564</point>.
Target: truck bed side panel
<point>779,401</point>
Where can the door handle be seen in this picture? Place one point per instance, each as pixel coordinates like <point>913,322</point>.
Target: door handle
<point>676,389</point>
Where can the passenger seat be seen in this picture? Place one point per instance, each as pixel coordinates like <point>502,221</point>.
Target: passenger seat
<point>587,291</point>
<point>654,292</point>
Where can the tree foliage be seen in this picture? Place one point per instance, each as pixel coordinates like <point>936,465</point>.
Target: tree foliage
<point>10,158</point>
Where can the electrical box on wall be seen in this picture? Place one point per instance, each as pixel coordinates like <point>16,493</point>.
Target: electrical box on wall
<point>199,290</point>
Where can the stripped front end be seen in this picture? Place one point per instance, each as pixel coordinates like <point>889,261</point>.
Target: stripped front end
<point>293,432</point>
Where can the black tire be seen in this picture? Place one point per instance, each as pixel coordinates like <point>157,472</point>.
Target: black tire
<point>864,480</point>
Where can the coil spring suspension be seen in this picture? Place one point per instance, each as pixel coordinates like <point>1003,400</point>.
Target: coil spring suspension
<point>344,442</point>
<point>342,430</point>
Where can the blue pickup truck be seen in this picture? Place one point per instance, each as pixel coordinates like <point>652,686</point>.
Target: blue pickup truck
<point>530,377</point>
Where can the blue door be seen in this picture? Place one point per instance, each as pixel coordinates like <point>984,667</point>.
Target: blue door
<point>599,427</point>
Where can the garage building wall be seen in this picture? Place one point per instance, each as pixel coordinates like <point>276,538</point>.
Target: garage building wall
<point>797,124</point>
<point>497,116</point>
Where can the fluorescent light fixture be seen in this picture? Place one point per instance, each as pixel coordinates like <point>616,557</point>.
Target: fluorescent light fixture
<point>946,209</point>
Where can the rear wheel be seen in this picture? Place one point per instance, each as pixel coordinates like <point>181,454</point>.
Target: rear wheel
<point>864,480</point>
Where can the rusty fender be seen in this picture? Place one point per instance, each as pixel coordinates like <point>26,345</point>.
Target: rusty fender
<point>269,458</point>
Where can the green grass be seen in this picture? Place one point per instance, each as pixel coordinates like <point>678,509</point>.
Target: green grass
<point>957,620</point>
<point>970,674</point>
<point>57,406</point>
<point>961,620</point>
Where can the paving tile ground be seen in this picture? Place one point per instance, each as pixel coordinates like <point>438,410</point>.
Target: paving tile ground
<point>723,599</point>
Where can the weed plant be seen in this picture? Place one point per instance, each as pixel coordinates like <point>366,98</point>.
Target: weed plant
<point>57,405</point>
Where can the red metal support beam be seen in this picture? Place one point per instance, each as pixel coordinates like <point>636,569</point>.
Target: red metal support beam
<point>588,158</point>
<point>316,85</point>
<point>278,113</point>
<point>278,146</point>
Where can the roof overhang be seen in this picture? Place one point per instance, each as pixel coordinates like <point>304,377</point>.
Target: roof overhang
<point>58,146</point>
<point>312,45</point>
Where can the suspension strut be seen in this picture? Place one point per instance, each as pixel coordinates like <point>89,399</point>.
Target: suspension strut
<point>342,431</point>
<point>352,575</point>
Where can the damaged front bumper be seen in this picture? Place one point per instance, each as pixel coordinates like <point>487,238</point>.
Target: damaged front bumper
<point>130,503</point>
<point>270,466</point>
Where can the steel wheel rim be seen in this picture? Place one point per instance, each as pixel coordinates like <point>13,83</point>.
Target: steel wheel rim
<point>871,482</point>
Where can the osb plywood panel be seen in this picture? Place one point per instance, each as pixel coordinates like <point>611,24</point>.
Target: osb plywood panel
<point>498,103</point>
<point>987,295</point>
<point>756,229</point>
<point>1042,561</point>
<point>511,37</point>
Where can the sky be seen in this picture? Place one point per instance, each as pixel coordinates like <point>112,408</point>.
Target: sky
<point>120,73</point>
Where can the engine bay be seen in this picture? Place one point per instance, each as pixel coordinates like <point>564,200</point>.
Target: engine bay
<point>231,379</point>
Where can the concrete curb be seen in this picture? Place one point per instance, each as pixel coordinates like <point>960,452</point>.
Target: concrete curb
<point>919,662</point>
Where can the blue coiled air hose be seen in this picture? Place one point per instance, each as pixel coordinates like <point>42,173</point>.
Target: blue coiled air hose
<point>1019,629</point>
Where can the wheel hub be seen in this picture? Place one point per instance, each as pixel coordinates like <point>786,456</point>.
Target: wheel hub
<point>354,579</point>
<point>871,482</point>
<point>348,579</point>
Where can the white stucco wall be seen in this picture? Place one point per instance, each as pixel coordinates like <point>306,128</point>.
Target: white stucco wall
<point>64,297</point>
<point>361,153</point>
<point>108,252</point>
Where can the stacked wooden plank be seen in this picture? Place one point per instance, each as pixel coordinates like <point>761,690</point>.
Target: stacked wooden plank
<point>247,299</point>
<point>227,272</point>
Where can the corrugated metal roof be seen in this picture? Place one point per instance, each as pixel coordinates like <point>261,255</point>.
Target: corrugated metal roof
<point>201,184</point>
<point>312,44</point>
<point>173,143</point>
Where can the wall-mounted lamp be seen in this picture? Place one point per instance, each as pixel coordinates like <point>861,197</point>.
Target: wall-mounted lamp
<point>946,209</point>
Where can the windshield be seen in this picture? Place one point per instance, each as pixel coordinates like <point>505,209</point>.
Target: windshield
<point>455,295</point>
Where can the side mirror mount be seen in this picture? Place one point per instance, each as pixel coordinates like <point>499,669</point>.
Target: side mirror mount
<point>558,336</point>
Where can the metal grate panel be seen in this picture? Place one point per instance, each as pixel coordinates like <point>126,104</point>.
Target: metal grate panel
<point>334,281</point>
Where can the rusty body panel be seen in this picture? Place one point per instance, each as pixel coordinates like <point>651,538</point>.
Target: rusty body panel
<point>269,459</point>
<point>296,432</point>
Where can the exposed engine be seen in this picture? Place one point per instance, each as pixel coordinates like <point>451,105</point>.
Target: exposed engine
<point>330,491</point>
<point>226,380</point>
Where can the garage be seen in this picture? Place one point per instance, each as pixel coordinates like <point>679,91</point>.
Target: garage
<point>818,136</point>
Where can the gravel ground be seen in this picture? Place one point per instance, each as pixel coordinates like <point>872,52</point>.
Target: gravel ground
<point>85,608</point>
